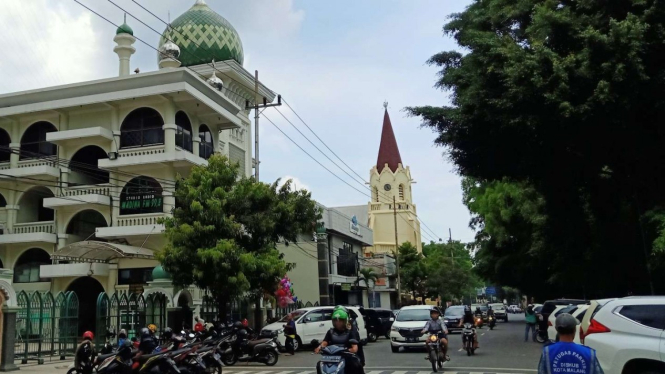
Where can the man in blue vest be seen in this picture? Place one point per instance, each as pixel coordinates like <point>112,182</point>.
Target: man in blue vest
<point>566,356</point>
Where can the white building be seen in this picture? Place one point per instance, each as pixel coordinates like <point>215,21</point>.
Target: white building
<point>88,169</point>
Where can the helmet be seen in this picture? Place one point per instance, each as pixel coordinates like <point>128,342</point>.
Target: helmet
<point>245,322</point>
<point>122,334</point>
<point>145,332</point>
<point>242,333</point>
<point>237,325</point>
<point>467,308</point>
<point>88,335</point>
<point>565,324</point>
<point>168,333</point>
<point>434,310</point>
<point>152,327</point>
<point>340,314</point>
<point>198,327</point>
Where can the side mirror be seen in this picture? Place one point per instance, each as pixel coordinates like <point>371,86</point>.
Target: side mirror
<point>308,319</point>
<point>391,319</point>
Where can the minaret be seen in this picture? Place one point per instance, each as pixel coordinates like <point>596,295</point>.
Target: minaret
<point>124,37</point>
<point>391,184</point>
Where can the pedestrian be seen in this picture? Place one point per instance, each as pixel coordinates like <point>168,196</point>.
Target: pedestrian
<point>531,320</point>
<point>566,356</point>
<point>290,334</point>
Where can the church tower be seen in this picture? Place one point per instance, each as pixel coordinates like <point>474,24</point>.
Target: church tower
<point>391,184</point>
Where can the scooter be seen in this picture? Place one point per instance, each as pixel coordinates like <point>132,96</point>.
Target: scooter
<point>492,322</point>
<point>259,350</point>
<point>479,321</point>
<point>333,360</point>
<point>467,339</point>
<point>434,348</point>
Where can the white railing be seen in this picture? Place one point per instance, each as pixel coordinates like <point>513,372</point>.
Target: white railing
<point>141,151</point>
<point>102,189</point>
<point>38,162</point>
<point>375,206</point>
<point>5,166</point>
<point>140,220</point>
<point>33,227</point>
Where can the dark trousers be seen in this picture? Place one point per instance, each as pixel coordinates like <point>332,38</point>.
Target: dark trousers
<point>289,345</point>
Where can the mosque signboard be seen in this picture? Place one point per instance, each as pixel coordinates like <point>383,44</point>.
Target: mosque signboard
<point>141,203</point>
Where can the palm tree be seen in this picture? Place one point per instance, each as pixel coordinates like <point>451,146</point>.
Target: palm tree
<point>367,275</point>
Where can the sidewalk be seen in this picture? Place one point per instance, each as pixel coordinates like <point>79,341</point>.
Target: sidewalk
<point>55,366</point>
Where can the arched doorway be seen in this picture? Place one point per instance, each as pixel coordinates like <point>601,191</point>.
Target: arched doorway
<point>27,266</point>
<point>84,225</point>
<point>84,166</point>
<point>183,136</point>
<point>5,140</point>
<point>141,128</point>
<point>185,315</point>
<point>141,195</point>
<point>87,289</point>
<point>206,149</point>
<point>32,206</point>
<point>33,141</point>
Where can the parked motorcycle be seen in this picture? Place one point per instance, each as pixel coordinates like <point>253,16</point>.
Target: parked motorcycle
<point>492,322</point>
<point>116,362</point>
<point>258,350</point>
<point>333,360</point>
<point>467,339</point>
<point>434,352</point>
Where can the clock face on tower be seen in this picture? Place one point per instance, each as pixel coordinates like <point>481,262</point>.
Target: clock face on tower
<point>387,187</point>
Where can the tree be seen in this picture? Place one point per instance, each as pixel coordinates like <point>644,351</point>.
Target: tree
<point>224,230</point>
<point>562,99</point>
<point>367,275</point>
<point>413,272</point>
<point>450,271</point>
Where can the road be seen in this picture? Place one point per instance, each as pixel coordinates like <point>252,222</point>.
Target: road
<point>502,350</point>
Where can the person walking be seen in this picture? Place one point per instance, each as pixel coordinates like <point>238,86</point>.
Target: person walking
<point>531,321</point>
<point>290,334</point>
<point>566,356</point>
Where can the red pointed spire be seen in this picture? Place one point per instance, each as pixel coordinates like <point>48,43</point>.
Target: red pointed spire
<point>388,150</point>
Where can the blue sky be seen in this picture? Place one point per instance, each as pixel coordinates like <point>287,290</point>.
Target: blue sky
<point>335,62</point>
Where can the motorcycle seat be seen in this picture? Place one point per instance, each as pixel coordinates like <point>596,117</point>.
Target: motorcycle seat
<point>144,358</point>
<point>104,357</point>
<point>253,343</point>
<point>204,349</point>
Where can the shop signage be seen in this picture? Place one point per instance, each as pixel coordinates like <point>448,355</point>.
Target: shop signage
<point>353,226</point>
<point>141,203</point>
<point>346,286</point>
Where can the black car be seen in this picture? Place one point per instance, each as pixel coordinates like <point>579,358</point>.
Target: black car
<point>452,316</point>
<point>378,322</point>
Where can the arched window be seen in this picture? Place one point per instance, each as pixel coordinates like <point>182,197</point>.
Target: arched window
<point>32,206</point>
<point>84,167</point>
<point>4,146</point>
<point>141,128</point>
<point>183,135</point>
<point>376,195</point>
<point>401,192</point>
<point>84,225</point>
<point>141,195</point>
<point>27,266</point>
<point>206,148</point>
<point>34,144</point>
<point>3,202</point>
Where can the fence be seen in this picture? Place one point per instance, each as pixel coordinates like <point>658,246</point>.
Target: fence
<point>46,325</point>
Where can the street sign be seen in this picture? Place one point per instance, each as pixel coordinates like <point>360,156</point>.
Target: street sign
<point>490,291</point>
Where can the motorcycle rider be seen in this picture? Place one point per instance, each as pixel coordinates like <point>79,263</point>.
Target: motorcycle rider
<point>122,336</point>
<point>436,326</point>
<point>342,335</point>
<point>478,312</point>
<point>147,343</point>
<point>468,318</point>
<point>353,326</point>
<point>85,354</point>
<point>490,313</point>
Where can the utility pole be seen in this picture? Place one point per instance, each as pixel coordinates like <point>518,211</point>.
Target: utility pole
<point>256,108</point>
<point>399,280</point>
<point>450,240</point>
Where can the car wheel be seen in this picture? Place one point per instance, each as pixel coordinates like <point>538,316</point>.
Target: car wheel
<point>387,335</point>
<point>297,343</point>
<point>372,337</point>
<point>394,349</point>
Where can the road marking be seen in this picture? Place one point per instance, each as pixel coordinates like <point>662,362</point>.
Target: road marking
<point>283,372</point>
<point>375,372</point>
<point>482,334</point>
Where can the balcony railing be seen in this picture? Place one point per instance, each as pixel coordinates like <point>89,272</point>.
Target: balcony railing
<point>46,161</point>
<point>141,138</point>
<point>140,220</point>
<point>87,190</point>
<point>33,227</point>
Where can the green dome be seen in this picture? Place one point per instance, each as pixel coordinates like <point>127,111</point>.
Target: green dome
<point>158,273</point>
<point>124,29</point>
<point>202,36</point>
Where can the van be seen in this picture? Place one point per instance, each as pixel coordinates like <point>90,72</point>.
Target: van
<point>406,331</point>
<point>312,324</point>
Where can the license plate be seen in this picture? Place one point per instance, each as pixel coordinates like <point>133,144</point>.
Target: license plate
<point>331,358</point>
<point>412,340</point>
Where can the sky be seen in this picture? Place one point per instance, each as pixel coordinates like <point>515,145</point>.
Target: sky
<point>334,62</point>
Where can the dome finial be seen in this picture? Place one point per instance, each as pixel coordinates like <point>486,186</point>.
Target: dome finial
<point>200,2</point>
<point>214,80</point>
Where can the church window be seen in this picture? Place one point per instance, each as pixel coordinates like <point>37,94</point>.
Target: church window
<point>375,192</point>
<point>401,192</point>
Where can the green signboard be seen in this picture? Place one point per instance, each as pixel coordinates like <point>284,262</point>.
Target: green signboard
<point>346,286</point>
<point>141,203</point>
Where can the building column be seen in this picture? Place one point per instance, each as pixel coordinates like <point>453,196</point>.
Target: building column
<point>12,212</point>
<point>8,337</point>
<point>168,202</point>
<point>14,156</point>
<point>169,126</point>
<point>324,273</point>
<point>112,279</point>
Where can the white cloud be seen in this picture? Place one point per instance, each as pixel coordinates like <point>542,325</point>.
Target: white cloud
<point>296,183</point>
<point>44,44</point>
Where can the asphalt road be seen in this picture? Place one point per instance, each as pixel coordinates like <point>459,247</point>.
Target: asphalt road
<point>502,350</point>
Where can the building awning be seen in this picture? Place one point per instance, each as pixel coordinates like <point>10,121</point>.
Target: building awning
<point>95,251</point>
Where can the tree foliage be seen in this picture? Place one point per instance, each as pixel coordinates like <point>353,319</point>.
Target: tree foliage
<point>413,272</point>
<point>555,120</point>
<point>224,230</point>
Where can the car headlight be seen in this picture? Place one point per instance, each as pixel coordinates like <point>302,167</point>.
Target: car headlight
<point>273,344</point>
<point>393,328</point>
<point>445,321</point>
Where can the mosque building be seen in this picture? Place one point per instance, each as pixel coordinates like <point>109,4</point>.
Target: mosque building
<point>88,169</point>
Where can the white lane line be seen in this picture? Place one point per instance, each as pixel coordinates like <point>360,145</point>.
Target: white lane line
<point>374,372</point>
<point>283,372</point>
<point>482,334</point>
<point>494,370</point>
<point>398,372</point>
<point>424,372</point>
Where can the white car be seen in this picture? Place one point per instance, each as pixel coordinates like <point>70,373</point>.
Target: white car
<point>500,311</point>
<point>312,324</point>
<point>628,335</point>
<point>406,331</point>
<point>576,311</point>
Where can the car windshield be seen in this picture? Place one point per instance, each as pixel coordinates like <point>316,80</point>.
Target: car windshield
<point>413,315</point>
<point>483,308</point>
<point>454,312</point>
<point>497,306</point>
<point>296,314</point>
